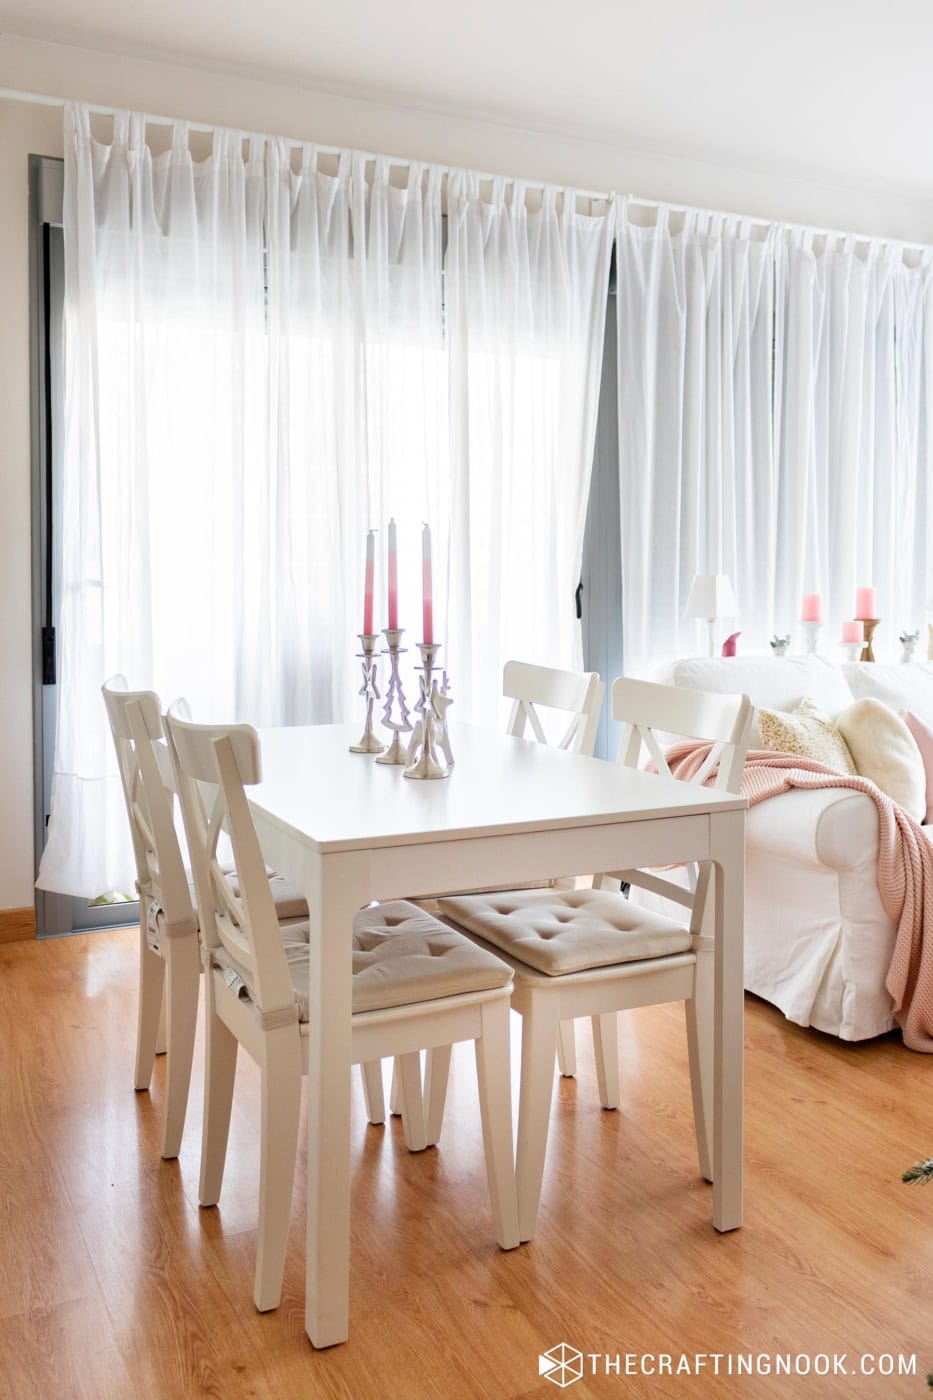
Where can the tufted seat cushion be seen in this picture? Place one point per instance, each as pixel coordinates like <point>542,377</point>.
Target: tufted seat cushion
<point>401,955</point>
<point>570,931</point>
<point>290,906</point>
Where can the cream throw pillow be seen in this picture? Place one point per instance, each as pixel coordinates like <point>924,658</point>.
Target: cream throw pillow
<point>806,731</point>
<point>885,751</point>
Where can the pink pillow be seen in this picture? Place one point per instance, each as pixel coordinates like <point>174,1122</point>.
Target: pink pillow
<point>924,737</point>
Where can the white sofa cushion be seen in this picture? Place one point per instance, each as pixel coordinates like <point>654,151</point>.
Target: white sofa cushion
<point>886,752</point>
<point>906,687</point>
<point>768,682</point>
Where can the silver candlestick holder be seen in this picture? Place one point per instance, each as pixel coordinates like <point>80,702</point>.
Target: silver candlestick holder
<point>397,752</point>
<point>370,691</point>
<point>430,739</point>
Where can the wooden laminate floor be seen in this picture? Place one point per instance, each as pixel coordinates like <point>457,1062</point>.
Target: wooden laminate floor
<point>114,1285</point>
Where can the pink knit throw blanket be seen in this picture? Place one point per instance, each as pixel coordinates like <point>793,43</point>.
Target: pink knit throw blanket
<point>905,871</point>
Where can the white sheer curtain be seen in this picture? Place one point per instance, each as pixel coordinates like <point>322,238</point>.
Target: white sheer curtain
<point>852,395</point>
<point>774,424</point>
<point>695,322</point>
<point>526,299</point>
<point>358,384</point>
<point>255,374</point>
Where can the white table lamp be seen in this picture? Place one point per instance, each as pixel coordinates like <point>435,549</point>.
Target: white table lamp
<point>711,597</point>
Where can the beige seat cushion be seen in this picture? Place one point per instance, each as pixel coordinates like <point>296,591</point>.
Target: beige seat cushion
<point>289,902</point>
<point>290,906</point>
<point>570,931</point>
<point>401,956</point>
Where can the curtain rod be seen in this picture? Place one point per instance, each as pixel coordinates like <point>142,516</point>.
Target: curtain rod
<point>43,100</point>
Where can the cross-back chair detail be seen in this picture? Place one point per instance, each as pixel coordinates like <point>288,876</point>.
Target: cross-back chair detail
<point>646,709</point>
<point>213,766</point>
<point>579,694</point>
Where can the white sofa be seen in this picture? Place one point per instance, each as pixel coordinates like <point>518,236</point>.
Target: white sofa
<point>817,942</point>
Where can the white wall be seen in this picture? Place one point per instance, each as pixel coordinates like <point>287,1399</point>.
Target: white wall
<point>169,90</point>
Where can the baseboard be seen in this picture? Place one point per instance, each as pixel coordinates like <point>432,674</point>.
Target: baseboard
<point>16,925</point>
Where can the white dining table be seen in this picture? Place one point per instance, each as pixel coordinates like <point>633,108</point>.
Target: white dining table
<point>347,830</point>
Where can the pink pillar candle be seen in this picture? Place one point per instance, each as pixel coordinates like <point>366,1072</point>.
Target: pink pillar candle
<point>369,583</point>
<point>853,632</point>
<point>393,575</point>
<point>866,603</point>
<point>812,610</point>
<point>428,586</point>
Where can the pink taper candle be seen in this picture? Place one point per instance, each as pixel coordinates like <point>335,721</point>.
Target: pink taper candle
<point>427,581</point>
<point>393,575</point>
<point>866,603</point>
<point>853,632</point>
<point>812,610</point>
<point>368,585</point>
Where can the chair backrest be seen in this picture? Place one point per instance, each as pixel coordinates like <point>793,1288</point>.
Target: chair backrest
<point>148,782</point>
<point>647,709</point>
<point>577,693</point>
<point>214,763</point>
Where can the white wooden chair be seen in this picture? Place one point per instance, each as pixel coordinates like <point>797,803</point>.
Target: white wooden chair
<point>417,985</point>
<point>579,695</point>
<point>169,961</point>
<point>168,936</point>
<point>595,953</point>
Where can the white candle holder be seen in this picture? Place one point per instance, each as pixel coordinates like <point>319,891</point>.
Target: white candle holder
<point>370,691</point>
<point>811,636</point>
<point>397,752</point>
<point>909,642</point>
<point>430,740</point>
<point>853,650</point>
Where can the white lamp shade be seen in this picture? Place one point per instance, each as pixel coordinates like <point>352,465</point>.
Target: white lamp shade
<point>711,596</point>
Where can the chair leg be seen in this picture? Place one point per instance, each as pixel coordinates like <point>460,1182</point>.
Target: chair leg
<point>567,1049</point>
<point>281,1112</point>
<point>606,1053</point>
<point>395,1092</point>
<point>412,1104</point>
<point>436,1076</point>
<point>151,980</point>
<point>539,1046</point>
<point>699,1014</point>
<point>495,1103</point>
<point>220,1051</point>
<point>371,1074</point>
<point>162,1033</point>
<point>182,983</point>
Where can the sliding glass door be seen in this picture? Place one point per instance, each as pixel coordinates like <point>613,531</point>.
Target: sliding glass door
<point>55,914</point>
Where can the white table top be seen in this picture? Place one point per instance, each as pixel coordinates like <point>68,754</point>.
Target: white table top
<point>313,786</point>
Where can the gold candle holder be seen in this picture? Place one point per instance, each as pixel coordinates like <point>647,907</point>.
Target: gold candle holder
<point>869,624</point>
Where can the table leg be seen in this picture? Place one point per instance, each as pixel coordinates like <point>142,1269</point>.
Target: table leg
<point>727,851</point>
<point>340,889</point>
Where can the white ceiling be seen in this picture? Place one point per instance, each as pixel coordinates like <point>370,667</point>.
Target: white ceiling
<point>839,90</point>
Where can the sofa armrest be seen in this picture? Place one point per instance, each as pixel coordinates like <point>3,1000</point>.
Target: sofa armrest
<point>819,826</point>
